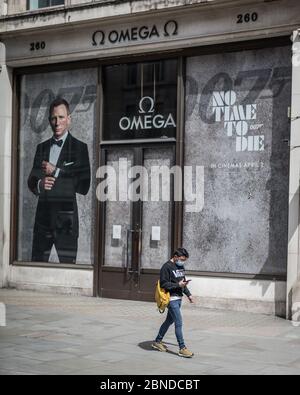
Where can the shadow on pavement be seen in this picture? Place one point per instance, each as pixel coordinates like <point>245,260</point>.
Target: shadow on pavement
<point>147,347</point>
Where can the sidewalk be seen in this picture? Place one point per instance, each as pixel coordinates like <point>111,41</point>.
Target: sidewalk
<point>60,334</point>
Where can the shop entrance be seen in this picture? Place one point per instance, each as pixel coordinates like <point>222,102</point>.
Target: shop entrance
<point>136,218</point>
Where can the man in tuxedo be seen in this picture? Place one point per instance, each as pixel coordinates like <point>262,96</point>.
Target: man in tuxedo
<point>61,168</point>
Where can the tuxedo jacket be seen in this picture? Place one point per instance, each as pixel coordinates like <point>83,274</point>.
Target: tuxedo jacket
<point>57,211</point>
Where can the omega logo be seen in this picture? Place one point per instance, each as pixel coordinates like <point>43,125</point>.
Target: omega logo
<point>142,101</point>
<point>98,38</point>
<point>101,37</point>
<point>167,28</point>
<point>147,120</point>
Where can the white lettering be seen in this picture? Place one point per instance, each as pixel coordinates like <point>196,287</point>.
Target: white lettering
<point>218,113</point>
<point>158,121</point>
<point>229,126</point>
<point>147,122</point>
<point>218,99</point>
<point>127,123</point>
<point>236,118</point>
<point>107,188</point>
<point>117,385</point>
<point>137,123</point>
<point>241,144</point>
<point>138,189</point>
<point>2,314</point>
<point>255,127</point>
<point>261,143</point>
<point>197,183</point>
<point>250,111</point>
<point>124,164</point>
<point>230,98</point>
<point>250,143</point>
<point>157,173</point>
<point>170,121</point>
<point>241,128</point>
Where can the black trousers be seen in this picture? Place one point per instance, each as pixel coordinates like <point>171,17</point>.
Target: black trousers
<point>66,246</point>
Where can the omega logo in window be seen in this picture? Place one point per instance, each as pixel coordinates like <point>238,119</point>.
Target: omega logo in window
<point>147,120</point>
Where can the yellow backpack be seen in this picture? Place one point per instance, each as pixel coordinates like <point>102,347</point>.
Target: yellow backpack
<point>162,298</point>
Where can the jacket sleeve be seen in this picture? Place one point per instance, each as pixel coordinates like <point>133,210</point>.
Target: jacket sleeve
<point>166,279</point>
<point>80,171</point>
<point>36,173</point>
<point>186,291</point>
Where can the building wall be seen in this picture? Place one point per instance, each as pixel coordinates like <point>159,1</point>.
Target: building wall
<point>3,7</point>
<point>293,276</point>
<point>59,280</point>
<point>5,166</point>
<point>16,6</point>
<point>255,295</point>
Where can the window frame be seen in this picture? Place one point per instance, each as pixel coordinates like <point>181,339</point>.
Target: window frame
<point>181,55</point>
<point>28,7</point>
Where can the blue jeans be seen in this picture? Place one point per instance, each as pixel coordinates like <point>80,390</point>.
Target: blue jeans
<point>173,316</point>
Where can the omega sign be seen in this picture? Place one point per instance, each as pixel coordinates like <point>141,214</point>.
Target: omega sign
<point>100,37</point>
<point>147,120</point>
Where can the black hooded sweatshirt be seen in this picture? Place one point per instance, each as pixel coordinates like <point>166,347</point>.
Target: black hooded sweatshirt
<point>170,276</point>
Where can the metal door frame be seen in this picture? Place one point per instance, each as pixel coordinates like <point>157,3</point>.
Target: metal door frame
<point>133,268</point>
<point>178,142</point>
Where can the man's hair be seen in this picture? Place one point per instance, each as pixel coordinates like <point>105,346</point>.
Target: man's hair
<point>181,252</point>
<point>58,102</point>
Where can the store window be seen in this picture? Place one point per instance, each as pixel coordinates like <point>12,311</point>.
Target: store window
<point>35,4</point>
<point>237,129</point>
<point>140,100</point>
<point>56,162</point>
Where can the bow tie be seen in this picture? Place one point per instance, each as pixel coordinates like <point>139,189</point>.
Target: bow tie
<point>56,142</point>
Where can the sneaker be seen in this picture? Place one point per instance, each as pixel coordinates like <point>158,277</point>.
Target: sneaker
<point>184,352</point>
<point>159,346</point>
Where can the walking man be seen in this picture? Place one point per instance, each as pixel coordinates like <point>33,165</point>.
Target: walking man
<point>172,279</point>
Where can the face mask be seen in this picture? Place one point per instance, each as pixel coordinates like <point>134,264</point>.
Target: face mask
<point>179,263</point>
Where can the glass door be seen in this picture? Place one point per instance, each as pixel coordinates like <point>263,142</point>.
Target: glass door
<point>136,195</point>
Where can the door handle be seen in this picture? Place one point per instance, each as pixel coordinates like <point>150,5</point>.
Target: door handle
<point>130,232</point>
<point>140,252</point>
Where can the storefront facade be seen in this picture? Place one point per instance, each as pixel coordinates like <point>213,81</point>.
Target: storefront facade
<point>189,117</point>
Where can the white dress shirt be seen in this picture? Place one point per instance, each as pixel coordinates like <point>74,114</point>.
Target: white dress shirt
<point>55,151</point>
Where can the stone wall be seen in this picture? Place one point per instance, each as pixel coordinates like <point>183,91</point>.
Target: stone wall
<point>16,6</point>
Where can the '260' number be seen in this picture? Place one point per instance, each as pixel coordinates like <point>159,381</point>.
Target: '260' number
<point>36,46</point>
<point>241,18</point>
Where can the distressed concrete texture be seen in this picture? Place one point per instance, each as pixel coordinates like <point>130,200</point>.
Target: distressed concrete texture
<point>243,225</point>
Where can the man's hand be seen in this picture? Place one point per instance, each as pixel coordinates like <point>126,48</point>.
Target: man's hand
<point>48,168</point>
<point>182,283</point>
<point>191,299</point>
<point>47,183</point>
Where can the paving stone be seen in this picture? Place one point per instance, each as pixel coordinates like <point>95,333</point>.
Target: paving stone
<point>62,334</point>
